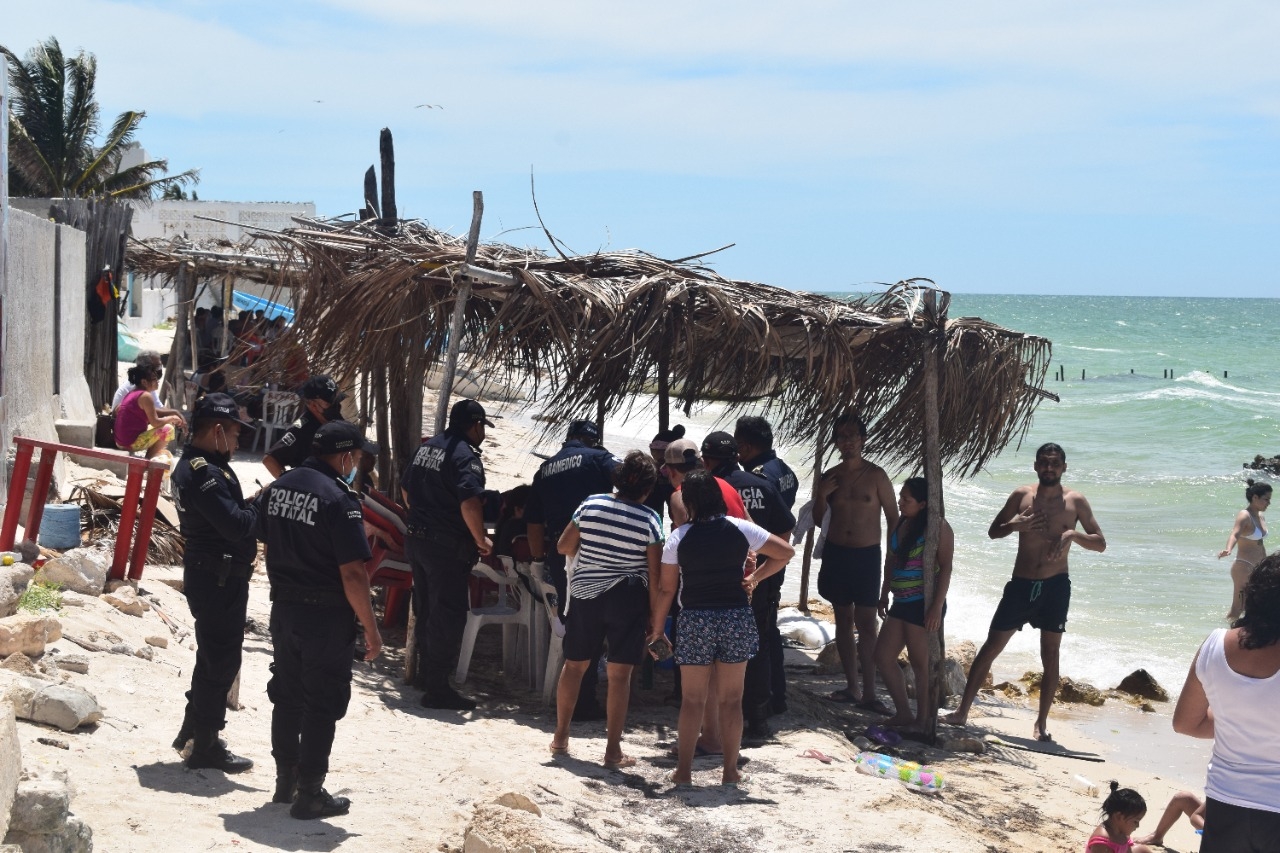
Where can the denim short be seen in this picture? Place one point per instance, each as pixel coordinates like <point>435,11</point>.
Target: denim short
<point>727,635</point>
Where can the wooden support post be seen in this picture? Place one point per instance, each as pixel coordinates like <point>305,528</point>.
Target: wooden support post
<point>664,388</point>
<point>933,473</point>
<point>600,413</point>
<point>390,216</point>
<point>370,209</point>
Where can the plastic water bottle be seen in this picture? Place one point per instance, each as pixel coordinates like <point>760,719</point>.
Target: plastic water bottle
<point>1086,785</point>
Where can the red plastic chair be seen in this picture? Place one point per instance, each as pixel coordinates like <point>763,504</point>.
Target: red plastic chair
<point>388,567</point>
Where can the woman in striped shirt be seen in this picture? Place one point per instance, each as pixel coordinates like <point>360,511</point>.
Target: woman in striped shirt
<point>618,543</point>
<point>907,623</point>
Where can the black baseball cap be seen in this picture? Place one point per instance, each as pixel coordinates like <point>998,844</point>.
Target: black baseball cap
<point>217,406</point>
<point>467,412</point>
<point>583,429</point>
<point>341,437</point>
<point>719,445</point>
<point>322,388</point>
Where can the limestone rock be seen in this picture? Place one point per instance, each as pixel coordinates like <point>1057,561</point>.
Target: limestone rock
<point>73,663</point>
<point>514,800</point>
<point>71,598</point>
<point>963,744</point>
<point>828,662</point>
<point>19,663</point>
<point>13,581</point>
<point>953,677</point>
<point>74,836</point>
<point>28,633</point>
<point>125,599</point>
<point>1008,688</point>
<point>121,649</point>
<point>10,763</point>
<point>1141,683</point>
<point>963,653</point>
<point>80,569</point>
<point>144,652</point>
<point>159,641</point>
<point>40,807</point>
<point>40,701</point>
<point>1079,691</point>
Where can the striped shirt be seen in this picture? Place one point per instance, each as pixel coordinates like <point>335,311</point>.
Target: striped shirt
<point>615,536</point>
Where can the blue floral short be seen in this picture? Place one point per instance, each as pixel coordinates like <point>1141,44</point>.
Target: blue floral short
<point>727,635</point>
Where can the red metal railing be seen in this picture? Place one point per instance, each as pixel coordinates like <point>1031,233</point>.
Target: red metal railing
<point>135,552</point>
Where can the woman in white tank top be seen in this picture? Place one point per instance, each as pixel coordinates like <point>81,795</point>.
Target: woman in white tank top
<point>1231,695</point>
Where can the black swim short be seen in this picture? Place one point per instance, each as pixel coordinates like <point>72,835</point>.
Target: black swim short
<point>911,612</point>
<point>1229,828</point>
<point>619,615</point>
<point>1042,603</point>
<point>850,575</point>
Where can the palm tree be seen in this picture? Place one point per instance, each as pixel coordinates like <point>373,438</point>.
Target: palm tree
<point>53,129</point>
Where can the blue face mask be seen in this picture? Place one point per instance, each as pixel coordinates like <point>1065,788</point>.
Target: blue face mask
<point>351,478</point>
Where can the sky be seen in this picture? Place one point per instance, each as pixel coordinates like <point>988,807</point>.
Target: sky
<point>995,147</point>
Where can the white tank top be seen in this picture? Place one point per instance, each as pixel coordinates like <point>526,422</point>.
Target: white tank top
<point>1244,769</point>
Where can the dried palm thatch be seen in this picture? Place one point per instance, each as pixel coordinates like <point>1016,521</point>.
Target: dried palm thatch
<point>100,519</point>
<point>592,330</point>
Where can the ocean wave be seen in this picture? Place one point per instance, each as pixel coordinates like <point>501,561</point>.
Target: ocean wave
<point>1093,349</point>
<point>1199,377</point>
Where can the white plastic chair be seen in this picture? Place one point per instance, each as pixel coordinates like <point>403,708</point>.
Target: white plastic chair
<point>279,411</point>
<point>510,612</point>
<point>555,643</point>
<point>535,629</point>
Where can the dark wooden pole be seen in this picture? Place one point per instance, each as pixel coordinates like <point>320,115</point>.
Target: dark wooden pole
<point>370,209</point>
<point>664,389</point>
<point>386,148</point>
<point>932,692</point>
<point>819,452</point>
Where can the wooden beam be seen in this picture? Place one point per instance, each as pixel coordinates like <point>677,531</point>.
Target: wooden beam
<point>459,313</point>
<point>932,692</point>
<point>387,151</point>
<point>819,452</point>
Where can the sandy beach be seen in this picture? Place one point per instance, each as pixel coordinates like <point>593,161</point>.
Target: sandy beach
<point>427,780</point>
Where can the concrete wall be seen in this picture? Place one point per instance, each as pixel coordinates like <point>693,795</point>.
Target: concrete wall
<point>178,218</point>
<point>74,400</point>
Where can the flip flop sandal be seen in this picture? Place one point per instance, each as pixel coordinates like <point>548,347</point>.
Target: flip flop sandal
<point>818,754</point>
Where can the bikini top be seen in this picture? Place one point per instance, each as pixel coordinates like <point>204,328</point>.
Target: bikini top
<point>1259,532</point>
<point>1116,846</point>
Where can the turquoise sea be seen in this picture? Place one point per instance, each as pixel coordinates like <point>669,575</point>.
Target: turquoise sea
<point>1158,458</point>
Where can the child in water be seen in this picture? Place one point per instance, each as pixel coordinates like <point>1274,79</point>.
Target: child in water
<point>1122,811</point>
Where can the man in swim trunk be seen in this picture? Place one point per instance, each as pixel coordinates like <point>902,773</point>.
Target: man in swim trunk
<point>857,492</point>
<point>1045,517</point>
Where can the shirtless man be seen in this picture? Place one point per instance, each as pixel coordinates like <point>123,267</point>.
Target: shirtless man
<point>1045,516</point>
<point>858,493</point>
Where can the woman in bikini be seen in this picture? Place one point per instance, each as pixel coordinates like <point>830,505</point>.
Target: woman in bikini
<point>1246,537</point>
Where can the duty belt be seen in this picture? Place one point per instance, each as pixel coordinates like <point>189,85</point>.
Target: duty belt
<point>308,595</point>
<point>223,565</point>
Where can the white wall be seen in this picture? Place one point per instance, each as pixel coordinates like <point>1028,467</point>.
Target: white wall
<point>169,219</point>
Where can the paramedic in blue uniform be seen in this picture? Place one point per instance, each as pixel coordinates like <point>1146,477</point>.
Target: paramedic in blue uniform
<point>756,454</point>
<point>579,470</point>
<point>442,487</point>
<point>321,403</point>
<point>218,526</point>
<point>312,524</point>
<point>768,509</point>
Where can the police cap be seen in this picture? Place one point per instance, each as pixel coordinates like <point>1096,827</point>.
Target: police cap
<point>719,445</point>
<point>212,406</point>
<point>341,437</point>
<point>467,412</point>
<point>322,388</point>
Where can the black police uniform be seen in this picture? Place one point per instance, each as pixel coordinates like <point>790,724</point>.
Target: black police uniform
<point>561,483</point>
<point>295,445</point>
<point>312,524</point>
<point>218,527</point>
<point>763,686</point>
<point>773,469</point>
<point>444,472</point>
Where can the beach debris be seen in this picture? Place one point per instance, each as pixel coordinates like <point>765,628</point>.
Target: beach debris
<point>516,800</point>
<point>1086,785</point>
<point>1142,684</point>
<point>125,599</point>
<point>28,633</point>
<point>54,742</point>
<point>13,582</point>
<point>817,755</point>
<point>82,570</point>
<point>160,642</point>
<point>61,705</point>
<point>19,663</point>
<point>925,780</point>
<point>803,630</point>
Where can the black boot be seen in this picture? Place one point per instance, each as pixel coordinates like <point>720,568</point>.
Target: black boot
<point>755,730</point>
<point>286,783</point>
<point>445,698</point>
<point>208,751</point>
<point>185,733</point>
<point>314,801</point>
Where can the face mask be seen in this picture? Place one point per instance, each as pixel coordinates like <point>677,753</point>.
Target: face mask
<point>351,475</point>
<point>218,453</point>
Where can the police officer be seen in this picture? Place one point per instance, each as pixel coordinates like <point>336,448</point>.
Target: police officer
<point>767,508</point>
<point>442,487</point>
<point>312,524</point>
<point>321,403</point>
<point>580,469</point>
<point>218,526</point>
<point>755,453</point>
<point>754,436</point>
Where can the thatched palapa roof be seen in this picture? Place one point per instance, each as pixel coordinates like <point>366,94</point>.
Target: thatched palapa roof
<point>582,330</point>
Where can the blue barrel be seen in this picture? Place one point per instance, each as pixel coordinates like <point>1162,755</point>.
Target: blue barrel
<point>60,527</point>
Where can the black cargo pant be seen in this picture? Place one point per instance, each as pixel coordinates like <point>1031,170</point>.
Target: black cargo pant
<point>218,599</point>
<point>441,571</point>
<point>765,679</point>
<point>310,682</point>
